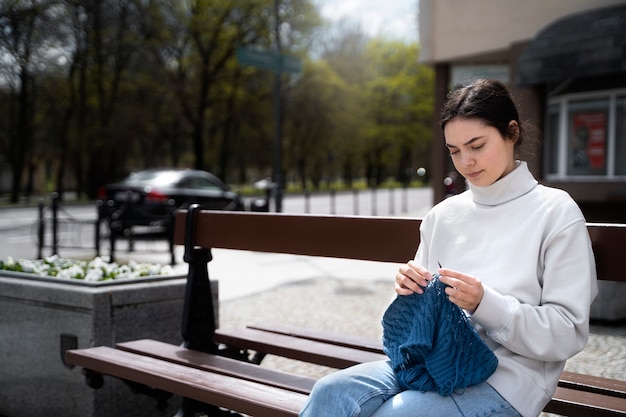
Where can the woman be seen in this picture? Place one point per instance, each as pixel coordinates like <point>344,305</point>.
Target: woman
<point>516,257</point>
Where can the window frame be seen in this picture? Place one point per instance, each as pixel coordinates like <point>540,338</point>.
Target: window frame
<point>563,104</point>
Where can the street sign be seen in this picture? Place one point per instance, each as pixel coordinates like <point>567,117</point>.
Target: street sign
<point>291,64</point>
<point>257,58</point>
<point>269,60</point>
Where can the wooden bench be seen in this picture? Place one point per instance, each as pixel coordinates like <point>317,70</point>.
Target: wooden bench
<point>216,368</point>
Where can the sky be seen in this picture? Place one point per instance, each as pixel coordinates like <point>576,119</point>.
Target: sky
<point>395,19</point>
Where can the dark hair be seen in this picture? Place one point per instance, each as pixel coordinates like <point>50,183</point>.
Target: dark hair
<point>487,100</point>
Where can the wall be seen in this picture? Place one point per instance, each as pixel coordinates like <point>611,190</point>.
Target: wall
<point>458,30</point>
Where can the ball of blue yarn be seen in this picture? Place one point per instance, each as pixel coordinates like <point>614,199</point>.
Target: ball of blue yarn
<point>432,345</point>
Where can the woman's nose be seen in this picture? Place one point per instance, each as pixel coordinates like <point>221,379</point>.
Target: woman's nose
<point>467,160</point>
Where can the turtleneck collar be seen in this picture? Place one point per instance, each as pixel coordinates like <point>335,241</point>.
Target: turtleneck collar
<point>515,184</point>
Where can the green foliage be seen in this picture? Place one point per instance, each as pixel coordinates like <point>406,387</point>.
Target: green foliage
<point>399,110</point>
<point>115,86</point>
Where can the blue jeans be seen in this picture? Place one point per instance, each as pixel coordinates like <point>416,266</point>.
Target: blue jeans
<point>371,390</point>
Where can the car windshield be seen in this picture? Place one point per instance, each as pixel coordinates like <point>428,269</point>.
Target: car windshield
<point>155,178</point>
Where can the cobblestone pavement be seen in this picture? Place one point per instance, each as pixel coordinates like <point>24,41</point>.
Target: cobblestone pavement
<point>356,307</point>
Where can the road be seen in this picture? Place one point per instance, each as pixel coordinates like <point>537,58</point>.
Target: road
<point>19,226</point>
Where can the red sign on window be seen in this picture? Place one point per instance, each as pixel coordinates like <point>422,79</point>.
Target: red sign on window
<point>589,140</point>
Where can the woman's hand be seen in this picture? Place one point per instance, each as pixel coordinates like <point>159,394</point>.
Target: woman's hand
<point>463,290</point>
<point>412,278</point>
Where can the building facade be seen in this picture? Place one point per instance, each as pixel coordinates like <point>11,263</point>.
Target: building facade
<point>565,62</point>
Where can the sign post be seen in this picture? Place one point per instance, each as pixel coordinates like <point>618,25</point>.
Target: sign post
<point>277,63</point>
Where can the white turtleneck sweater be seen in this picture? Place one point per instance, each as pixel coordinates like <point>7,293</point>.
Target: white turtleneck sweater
<point>529,246</point>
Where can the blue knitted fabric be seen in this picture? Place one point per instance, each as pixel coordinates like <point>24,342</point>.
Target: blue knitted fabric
<point>432,345</point>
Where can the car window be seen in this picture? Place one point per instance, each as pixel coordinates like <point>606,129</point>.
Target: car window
<point>165,178</point>
<point>155,178</point>
<point>202,184</point>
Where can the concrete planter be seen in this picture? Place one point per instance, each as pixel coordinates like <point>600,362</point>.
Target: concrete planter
<point>39,317</point>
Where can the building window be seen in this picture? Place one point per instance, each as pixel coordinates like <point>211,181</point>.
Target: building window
<point>586,136</point>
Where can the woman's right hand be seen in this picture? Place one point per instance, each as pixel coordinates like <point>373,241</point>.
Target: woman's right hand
<point>412,278</point>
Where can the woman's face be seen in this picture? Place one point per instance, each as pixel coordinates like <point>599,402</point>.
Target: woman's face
<point>478,151</point>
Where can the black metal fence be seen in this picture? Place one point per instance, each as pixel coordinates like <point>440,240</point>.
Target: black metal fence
<point>63,230</point>
<point>56,229</point>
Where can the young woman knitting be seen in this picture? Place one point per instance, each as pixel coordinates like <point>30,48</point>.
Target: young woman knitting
<point>497,297</point>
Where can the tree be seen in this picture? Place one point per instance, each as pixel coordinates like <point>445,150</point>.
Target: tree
<point>344,51</point>
<point>399,111</point>
<point>201,38</point>
<point>383,128</point>
<point>311,128</point>
<point>215,93</point>
<point>23,29</point>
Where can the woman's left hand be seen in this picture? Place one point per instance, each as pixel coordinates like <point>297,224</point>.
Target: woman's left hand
<point>463,290</point>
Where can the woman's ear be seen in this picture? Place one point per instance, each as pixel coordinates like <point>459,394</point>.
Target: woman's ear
<point>513,131</point>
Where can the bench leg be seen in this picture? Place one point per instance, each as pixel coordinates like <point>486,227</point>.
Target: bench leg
<point>161,397</point>
<point>95,381</point>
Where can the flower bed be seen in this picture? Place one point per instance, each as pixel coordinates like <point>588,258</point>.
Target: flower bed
<point>97,271</point>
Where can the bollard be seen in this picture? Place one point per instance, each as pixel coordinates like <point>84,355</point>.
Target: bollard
<point>307,201</point>
<point>405,199</point>
<point>41,229</point>
<point>99,205</point>
<point>55,223</point>
<point>374,202</point>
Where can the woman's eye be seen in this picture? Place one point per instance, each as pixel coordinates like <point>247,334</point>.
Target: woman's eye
<point>453,153</point>
<point>477,147</point>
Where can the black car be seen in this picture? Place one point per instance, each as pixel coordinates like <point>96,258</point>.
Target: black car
<point>150,197</point>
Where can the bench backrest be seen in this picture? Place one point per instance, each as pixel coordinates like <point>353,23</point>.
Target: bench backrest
<point>386,239</point>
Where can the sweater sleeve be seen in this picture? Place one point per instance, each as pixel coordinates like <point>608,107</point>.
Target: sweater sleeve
<point>558,327</point>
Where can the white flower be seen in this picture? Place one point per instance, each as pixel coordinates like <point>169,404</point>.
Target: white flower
<point>74,271</point>
<point>167,270</point>
<point>94,275</point>
<point>125,271</point>
<point>98,269</point>
<point>28,266</point>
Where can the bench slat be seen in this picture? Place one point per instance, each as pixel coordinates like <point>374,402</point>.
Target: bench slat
<point>582,382</point>
<point>333,338</point>
<point>385,239</point>
<point>295,348</point>
<point>218,364</point>
<point>606,386</point>
<point>220,390</point>
<point>572,402</point>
